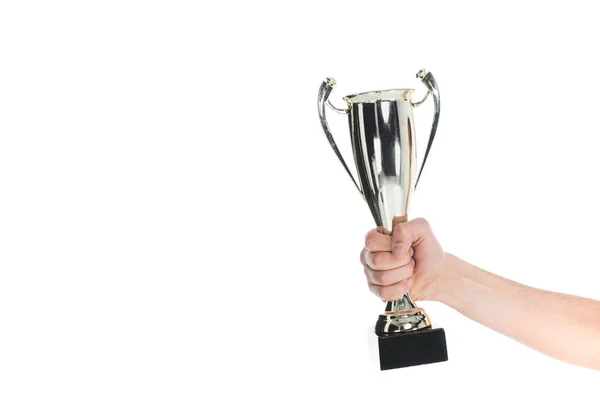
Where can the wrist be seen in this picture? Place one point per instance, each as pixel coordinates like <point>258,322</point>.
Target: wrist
<point>447,282</point>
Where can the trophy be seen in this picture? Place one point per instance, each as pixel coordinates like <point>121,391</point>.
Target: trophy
<point>382,132</point>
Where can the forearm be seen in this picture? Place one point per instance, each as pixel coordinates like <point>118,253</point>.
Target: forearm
<point>562,326</point>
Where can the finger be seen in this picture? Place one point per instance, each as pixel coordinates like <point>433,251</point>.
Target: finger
<point>376,241</point>
<point>409,234</point>
<point>385,260</point>
<point>390,277</point>
<point>393,292</point>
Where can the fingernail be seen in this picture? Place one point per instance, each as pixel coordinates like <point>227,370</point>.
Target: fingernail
<point>399,248</point>
<point>409,283</point>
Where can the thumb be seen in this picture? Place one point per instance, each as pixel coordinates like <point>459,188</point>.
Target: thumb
<point>409,234</point>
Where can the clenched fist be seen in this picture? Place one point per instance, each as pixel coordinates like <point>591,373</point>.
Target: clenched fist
<point>410,260</point>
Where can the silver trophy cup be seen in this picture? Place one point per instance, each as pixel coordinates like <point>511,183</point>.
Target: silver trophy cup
<point>384,144</point>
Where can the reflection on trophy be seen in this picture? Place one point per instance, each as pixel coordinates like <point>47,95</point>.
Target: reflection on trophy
<point>382,131</point>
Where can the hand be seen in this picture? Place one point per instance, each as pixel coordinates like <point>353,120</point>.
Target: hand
<point>410,260</point>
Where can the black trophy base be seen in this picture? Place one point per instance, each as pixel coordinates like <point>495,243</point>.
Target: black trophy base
<point>412,348</point>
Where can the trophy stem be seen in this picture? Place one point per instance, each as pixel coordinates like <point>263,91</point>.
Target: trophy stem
<point>402,304</point>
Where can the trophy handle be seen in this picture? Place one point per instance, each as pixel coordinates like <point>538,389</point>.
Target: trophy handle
<point>324,92</point>
<point>432,88</point>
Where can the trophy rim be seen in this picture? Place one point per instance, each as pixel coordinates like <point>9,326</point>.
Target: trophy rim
<point>374,96</point>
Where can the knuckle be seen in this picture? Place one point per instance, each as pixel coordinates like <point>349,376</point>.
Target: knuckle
<point>375,260</point>
<point>387,292</point>
<point>370,240</point>
<point>364,254</point>
<point>408,270</point>
<point>372,289</point>
<point>399,229</point>
<point>381,291</point>
<point>384,279</point>
<point>423,223</point>
<point>378,260</point>
<point>404,259</point>
<point>366,272</point>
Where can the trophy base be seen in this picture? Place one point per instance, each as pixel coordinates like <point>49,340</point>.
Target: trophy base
<point>410,349</point>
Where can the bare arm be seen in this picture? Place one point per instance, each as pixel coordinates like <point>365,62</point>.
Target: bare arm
<point>562,326</point>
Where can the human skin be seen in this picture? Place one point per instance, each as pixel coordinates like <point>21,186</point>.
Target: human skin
<point>411,259</point>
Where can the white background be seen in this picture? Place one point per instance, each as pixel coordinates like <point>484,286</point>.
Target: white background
<point>174,225</point>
